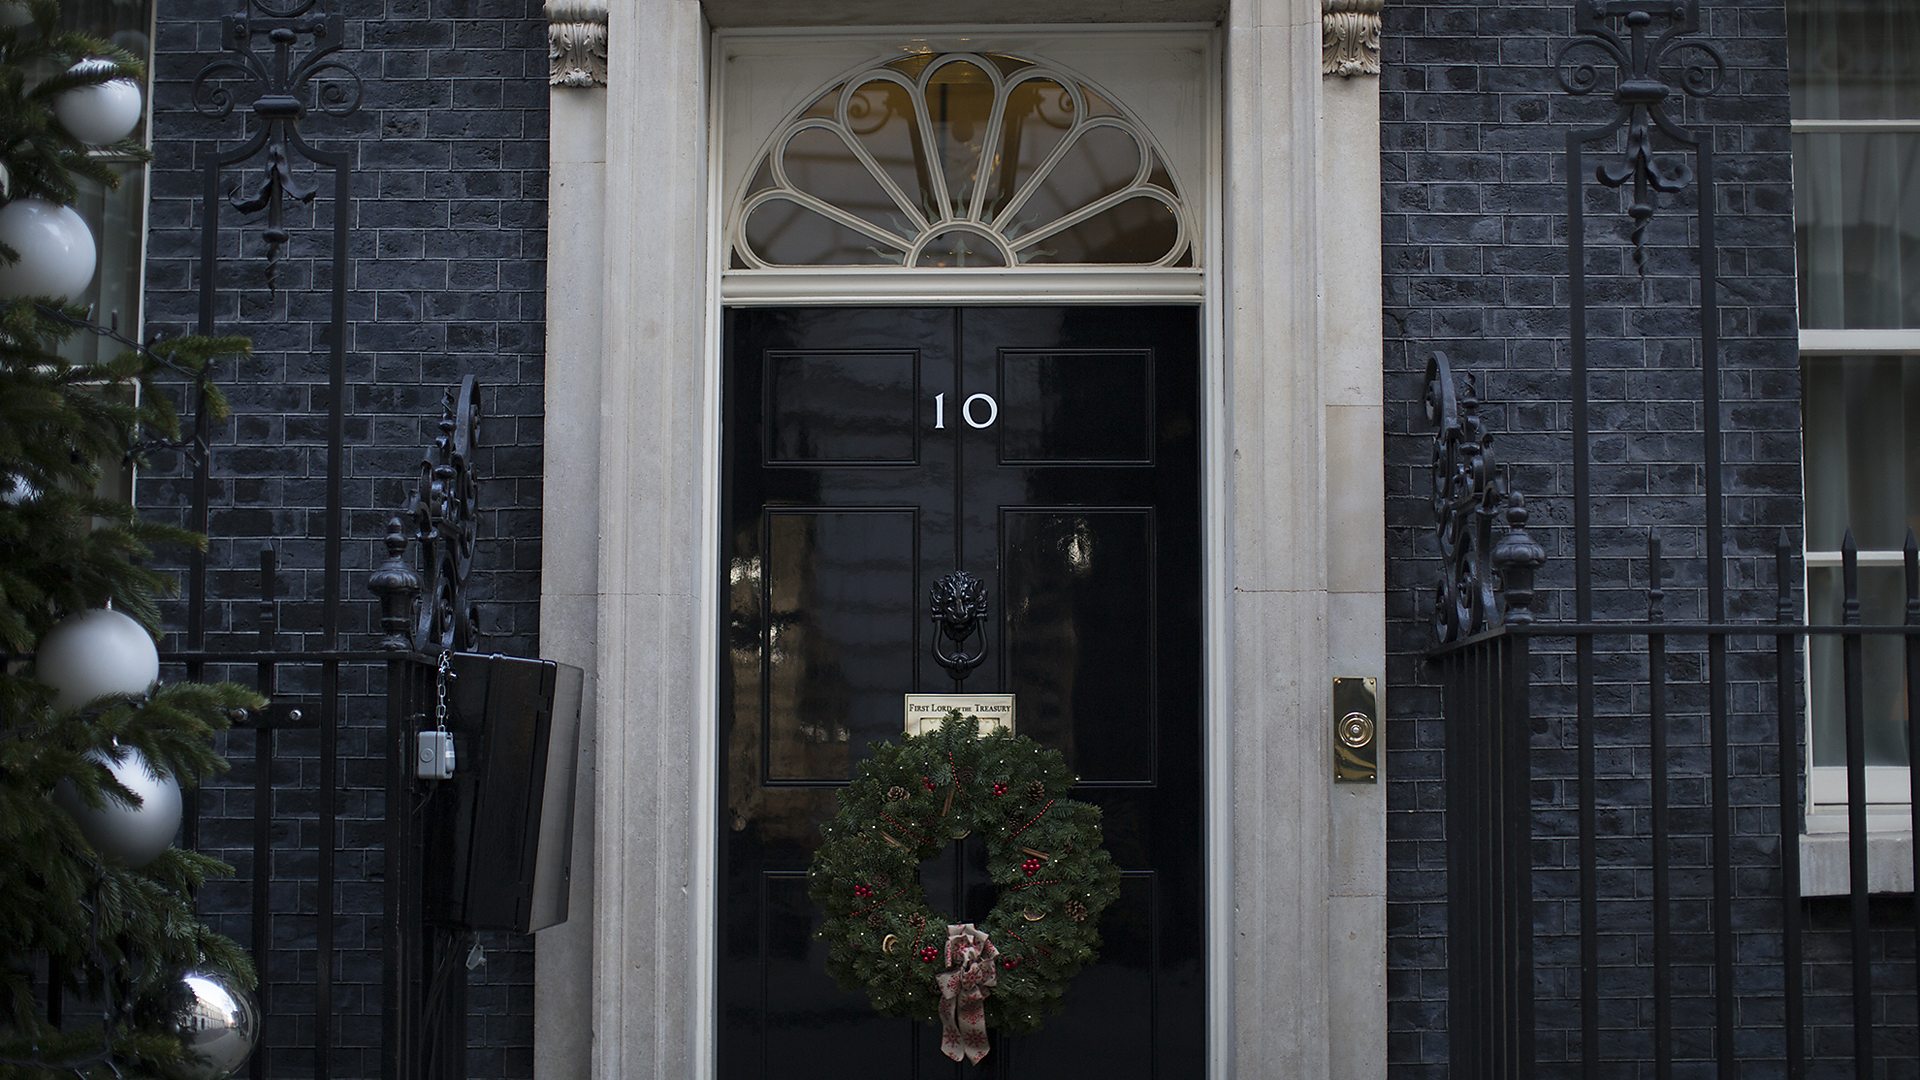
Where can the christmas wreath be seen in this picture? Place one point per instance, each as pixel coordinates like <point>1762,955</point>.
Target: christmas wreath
<point>907,804</point>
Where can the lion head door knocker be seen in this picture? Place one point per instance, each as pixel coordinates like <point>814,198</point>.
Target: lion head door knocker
<point>959,605</point>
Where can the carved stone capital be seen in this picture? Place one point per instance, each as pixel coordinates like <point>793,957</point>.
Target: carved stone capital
<point>577,42</point>
<point>1350,37</point>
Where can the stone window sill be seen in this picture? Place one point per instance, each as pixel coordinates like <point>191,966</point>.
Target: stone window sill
<point>1824,853</point>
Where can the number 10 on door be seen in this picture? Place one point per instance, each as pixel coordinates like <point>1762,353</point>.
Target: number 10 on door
<point>967,411</point>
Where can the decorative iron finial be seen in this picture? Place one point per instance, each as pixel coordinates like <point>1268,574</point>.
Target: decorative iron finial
<point>1640,38</point>
<point>1516,557</point>
<point>1482,584</point>
<point>398,588</point>
<point>280,85</point>
<point>959,611</point>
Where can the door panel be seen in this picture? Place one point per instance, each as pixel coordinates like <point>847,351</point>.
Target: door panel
<point>1053,453</point>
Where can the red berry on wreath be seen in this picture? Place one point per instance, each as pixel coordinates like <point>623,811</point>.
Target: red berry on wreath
<point>999,788</point>
<point>1009,962</point>
<point>1031,866</point>
<point>863,891</point>
<point>929,954</point>
<point>927,781</point>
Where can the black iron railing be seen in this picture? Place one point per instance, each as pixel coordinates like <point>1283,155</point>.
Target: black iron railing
<point>291,827</point>
<point>1626,791</point>
<point>1513,790</point>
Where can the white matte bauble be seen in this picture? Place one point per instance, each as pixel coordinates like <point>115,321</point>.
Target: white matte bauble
<point>217,1022</point>
<point>102,113</point>
<point>94,653</point>
<point>55,247</point>
<point>134,835</point>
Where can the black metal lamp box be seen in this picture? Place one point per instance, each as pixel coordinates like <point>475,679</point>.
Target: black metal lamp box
<point>507,814</point>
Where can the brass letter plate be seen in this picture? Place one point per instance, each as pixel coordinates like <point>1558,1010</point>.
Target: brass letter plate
<point>1356,730</point>
<point>925,711</point>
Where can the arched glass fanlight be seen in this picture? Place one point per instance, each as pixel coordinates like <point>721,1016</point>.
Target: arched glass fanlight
<point>961,160</point>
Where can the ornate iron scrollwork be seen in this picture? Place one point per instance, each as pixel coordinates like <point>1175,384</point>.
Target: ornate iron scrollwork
<point>430,612</point>
<point>959,603</point>
<point>1641,38</point>
<point>278,86</point>
<point>444,512</point>
<point>1483,584</point>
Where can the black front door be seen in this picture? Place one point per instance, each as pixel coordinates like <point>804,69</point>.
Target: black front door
<point>1054,454</point>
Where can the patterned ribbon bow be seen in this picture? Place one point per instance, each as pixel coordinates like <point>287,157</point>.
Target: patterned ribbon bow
<point>971,971</point>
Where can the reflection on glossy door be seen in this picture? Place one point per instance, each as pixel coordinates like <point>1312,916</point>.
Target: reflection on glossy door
<point>1053,453</point>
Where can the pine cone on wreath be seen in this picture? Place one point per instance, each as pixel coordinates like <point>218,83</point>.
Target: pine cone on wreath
<point>1036,792</point>
<point>896,793</point>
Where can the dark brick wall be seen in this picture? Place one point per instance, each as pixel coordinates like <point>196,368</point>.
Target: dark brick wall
<point>448,159</point>
<point>1476,219</point>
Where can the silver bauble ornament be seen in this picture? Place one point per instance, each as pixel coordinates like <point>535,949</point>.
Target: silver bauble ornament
<point>134,835</point>
<point>55,246</point>
<point>217,1022</point>
<point>93,653</point>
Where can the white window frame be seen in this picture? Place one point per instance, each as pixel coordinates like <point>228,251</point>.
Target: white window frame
<point>1889,791</point>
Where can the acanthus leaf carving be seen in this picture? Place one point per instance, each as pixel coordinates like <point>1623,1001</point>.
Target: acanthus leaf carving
<point>1350,37</point>
<point>577,42</point>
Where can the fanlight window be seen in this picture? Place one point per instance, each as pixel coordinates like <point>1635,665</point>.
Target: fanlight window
<point>961,160</point>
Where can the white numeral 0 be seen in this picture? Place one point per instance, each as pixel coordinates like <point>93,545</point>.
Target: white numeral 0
<point>966,411</point>
<point>993,411</point>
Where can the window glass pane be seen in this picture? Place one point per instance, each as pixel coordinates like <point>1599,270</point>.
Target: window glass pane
<point>1138,230</point>
<point>1857,227</point>
<point>881,115</point>
<point>788,234</point>
<point>819,163</point>
<point>1853,60</point>
<point>961,247</point>
<point>1102,161</point>
<point>960,106</point>
<point>1862,452</point>
<point>118,221</point>
<point>1039,114</point>
<point>1883,670</point>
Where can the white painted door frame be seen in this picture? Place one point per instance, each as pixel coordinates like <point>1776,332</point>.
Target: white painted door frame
<point>1296,547</point>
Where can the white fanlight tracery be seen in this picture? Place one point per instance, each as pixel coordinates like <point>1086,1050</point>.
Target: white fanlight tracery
<point>961,160</point>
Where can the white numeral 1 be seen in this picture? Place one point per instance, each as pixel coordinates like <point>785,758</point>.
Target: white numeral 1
<point>939,411</point>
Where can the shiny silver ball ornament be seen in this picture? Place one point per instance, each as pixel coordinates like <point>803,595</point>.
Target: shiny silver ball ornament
<point>94,653</point>
<point>134,835</point>
<point>217,1022</point>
